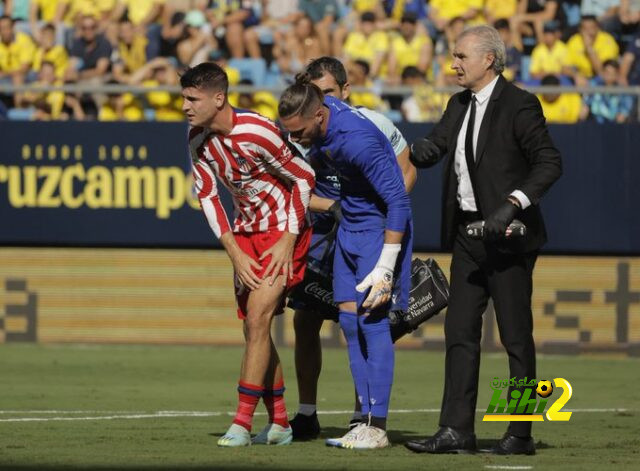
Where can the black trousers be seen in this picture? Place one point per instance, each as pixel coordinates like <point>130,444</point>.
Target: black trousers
<point>478,272</point>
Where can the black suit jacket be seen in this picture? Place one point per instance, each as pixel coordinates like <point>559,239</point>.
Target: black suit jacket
<point>514,152</point>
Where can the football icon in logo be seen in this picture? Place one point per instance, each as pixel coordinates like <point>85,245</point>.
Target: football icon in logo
<point>544,388</point>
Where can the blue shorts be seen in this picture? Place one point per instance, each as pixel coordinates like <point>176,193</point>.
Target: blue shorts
<point>356,255</point>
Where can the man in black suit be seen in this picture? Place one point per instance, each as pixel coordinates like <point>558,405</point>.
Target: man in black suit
<point>500,161</point>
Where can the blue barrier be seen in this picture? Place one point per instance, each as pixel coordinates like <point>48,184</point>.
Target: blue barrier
<point>125,184</point>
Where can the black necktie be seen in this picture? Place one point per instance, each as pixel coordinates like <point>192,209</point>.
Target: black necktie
<point>468,150</point>
<point>468,140</point>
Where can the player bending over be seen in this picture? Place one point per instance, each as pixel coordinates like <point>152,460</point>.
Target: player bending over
<point>269,239</point>
<point>373,249</point>
<point>329,74</point>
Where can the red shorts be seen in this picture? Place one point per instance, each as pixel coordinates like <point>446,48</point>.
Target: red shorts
<point>255,244</point>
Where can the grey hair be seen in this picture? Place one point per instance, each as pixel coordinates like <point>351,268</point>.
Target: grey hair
<point>489,42</point>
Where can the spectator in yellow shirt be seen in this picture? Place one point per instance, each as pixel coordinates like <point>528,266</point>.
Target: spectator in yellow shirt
<point>589,49</point>
<point>499,9</point>
<point>442,11</point>
<point>71,12</point>
<point>368,45</point>
<point>424,105</point>
<point>16,55</point>
<point>358,75</point>
<point>16,51</point>
<point>49,51</point>
<point>49,104</point>
<point>141,12</point>
<point>410,47</point>
<point>131,52</point>
<point>551,55</point>
<point>146,16</point>
<point>54,105</point>
<point>560,108</point>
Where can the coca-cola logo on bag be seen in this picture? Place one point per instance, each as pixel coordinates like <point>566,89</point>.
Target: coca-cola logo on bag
<point>317,291</point>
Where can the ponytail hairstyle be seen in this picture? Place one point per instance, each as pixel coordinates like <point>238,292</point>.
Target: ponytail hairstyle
<point>302,98</point>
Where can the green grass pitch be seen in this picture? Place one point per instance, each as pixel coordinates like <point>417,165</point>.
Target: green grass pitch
<point>99,407</point>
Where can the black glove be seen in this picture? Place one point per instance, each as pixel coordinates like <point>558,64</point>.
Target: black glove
<point>336,211</point>
<point>496,224</point>
<point>424,153</point>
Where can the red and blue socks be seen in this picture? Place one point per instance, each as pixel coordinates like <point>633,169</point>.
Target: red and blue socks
<point>248,398</point>
<point>274,401</point>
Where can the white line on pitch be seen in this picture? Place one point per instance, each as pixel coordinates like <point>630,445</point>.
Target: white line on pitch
<point>109,417</point>
<point>488,466</point>
<point>114,415</point>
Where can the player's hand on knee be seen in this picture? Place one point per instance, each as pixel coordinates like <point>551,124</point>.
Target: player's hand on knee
<point>245,268</point>
<point>281,259</point>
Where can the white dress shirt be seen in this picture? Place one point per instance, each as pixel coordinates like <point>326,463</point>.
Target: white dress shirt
<point>466,199</point>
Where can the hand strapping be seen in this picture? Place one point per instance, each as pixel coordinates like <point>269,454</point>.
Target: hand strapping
<point>380,280</point>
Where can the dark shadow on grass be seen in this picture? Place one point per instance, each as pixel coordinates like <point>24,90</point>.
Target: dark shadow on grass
<point>485,444</point>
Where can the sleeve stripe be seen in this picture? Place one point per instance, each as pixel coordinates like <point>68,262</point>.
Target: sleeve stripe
<point>209,199</point>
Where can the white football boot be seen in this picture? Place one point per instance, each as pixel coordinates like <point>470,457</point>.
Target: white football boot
<point>273,434</point>
<point>237,435</point>
<point>348,438</point>
<point>370,438</point>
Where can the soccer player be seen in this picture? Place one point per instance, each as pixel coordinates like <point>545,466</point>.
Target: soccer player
<point>330,76</point>
<point>373,249</point>
<point>269,239</point>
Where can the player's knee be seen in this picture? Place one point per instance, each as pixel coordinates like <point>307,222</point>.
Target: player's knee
<point>257,323</point>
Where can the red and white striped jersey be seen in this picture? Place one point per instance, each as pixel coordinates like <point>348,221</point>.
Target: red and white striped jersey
<point>271,187</point>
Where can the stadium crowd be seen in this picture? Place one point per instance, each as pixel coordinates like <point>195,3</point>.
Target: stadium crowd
<point>266,42</point>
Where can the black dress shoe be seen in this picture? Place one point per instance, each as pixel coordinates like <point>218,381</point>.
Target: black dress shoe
<point>305,427</point>
<point>512,445</point>
<point>446,440</point>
